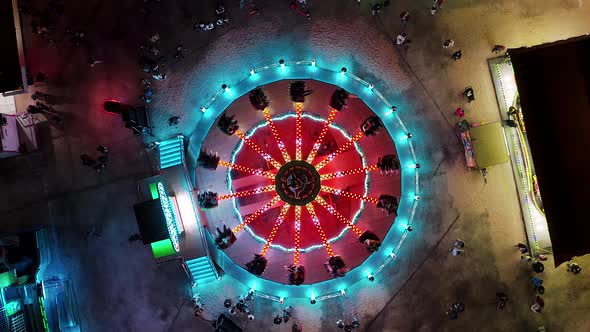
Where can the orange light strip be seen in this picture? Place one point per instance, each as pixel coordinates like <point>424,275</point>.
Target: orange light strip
<point>298,125</point>
<point>275,133</point>
<point>246,169</point>
<point>297,234</point>
<point>318,227</point>
<point>318,142</point>
<point>349,194</point>
<point>265,189</point>
<point>341,149</point>
<point>256,214</point>
<point>275,228</point>
<point>348,172</point>
<point>258,149</point>
<point>338,216</point>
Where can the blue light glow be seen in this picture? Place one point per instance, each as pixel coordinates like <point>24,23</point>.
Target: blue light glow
<point>395,127</point>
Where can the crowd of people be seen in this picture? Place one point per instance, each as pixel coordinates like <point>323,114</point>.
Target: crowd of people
<point>99,163</point>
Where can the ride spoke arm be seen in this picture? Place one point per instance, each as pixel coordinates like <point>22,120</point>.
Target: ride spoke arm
<point>319,140</point>
<point>258,149</point>
<point>318,226</point>
<point>264,189</point>
<point>349,194</point>
<point>297,234</point>
<point>275,228</point>
<point>275,133</point>
<point>246,169</point>
<point>341,149</point>
<point>349,172</point>
<point>338,216</point>
<point>298,129</point>
<point>256,214</point>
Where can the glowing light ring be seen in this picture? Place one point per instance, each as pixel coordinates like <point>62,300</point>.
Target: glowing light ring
<point>263,124</point>
<point>383,115</point>
<point>170,215</point>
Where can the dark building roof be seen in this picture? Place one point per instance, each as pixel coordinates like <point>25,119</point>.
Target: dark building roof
<point>10,71</point>
<point>151,221</point>
<point>554,85</point>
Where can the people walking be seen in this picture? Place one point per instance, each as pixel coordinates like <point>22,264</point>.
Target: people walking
<point>457,55</point>
<point>102,149</point>
<point>574,268</point>
<point>498,48</point>
<point>537,281</point>
<point>401,38</point>
<point>93,62</point>
<point>405,16</point>
<point>538,305</point>
<point>376,9</point>
<point>460,112</point>
<point>455,309</point>
<point>538,267</point>
<point>433,10</point>
<point>448,43</point>
<point>501,300</point>
<point>523,248</point>
<point>457,248</point>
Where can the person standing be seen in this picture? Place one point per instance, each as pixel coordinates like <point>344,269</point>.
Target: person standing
<point>574,268</point>
<point>523,248</point>
<point>401,38</point>
<point>93,62</point>
<point>102,149</point>
<point>448,43</point>
<point>498,48</point>
<point>405,16</point>
<point>537,281</point>
<point>433,10</point>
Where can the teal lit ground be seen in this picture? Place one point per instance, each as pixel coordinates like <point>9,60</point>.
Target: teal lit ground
<point>120,287</point>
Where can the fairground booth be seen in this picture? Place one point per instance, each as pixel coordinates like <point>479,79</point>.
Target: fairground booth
<point>543,92</point>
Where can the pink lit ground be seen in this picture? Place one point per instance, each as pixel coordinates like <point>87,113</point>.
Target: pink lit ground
<point>349,119</point>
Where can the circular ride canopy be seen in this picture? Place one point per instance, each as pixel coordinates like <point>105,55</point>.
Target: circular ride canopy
<point>298,182</point>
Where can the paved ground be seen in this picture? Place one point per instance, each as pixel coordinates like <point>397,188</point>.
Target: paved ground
<point>119,286</point>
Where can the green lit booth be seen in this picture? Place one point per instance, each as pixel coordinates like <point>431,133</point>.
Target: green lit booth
<point>485,146</point>
<point>158,222</point>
